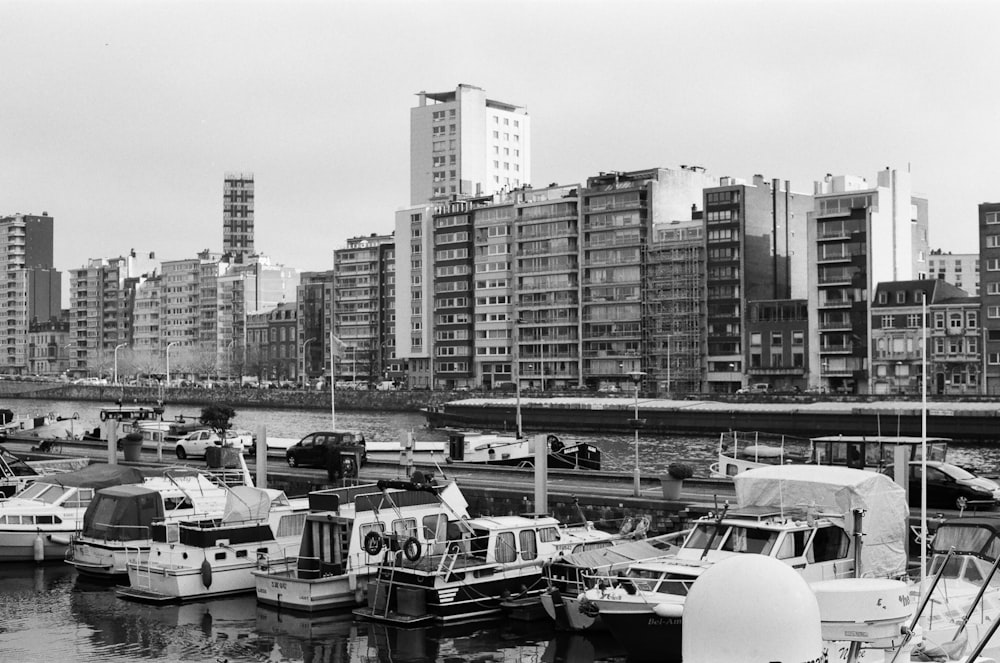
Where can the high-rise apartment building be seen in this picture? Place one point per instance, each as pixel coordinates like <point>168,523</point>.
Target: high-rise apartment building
<point>356,306</point>
<point>29,286</point>
<point>859,235</point>
<point>414,258</point>
<point>620,212</point>
<point>492,290</point>
<point>755,243</point>
<point>960,269</point>
<point>237,216</point>
<point>463,143</point>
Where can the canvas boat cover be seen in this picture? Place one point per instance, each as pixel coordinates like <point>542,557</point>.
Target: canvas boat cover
<point>246,503</point>
<point>835,492</point>
<point>123,513</point>
<point>623,552</point>
<point>98,475</point>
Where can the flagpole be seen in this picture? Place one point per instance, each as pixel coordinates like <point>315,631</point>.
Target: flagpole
<point>333,381</point>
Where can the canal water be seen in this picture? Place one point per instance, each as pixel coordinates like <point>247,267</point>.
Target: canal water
<point>48,614</point>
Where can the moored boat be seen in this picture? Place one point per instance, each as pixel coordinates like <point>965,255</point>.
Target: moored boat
<point>214,557</point>
<point>512,450</point>
<point>117,524</point>
<point>37,523</point>
<point>342,543</point>
<point>811,518</point>
<point>478,564</point>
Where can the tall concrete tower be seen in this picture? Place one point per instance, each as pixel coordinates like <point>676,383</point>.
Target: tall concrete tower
<point>237,216</point>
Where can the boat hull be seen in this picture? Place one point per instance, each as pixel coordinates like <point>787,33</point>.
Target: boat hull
<point>644,635</point>
<point>21,545</point>
<point>566,612</point>
<point>162,584</point>
<point>107,560</point>
<point>285,590</point>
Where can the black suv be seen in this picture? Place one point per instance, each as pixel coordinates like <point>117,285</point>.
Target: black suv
<point>313,448</point>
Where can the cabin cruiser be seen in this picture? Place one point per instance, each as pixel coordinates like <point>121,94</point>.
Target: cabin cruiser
<point>862,452</point>
<point>345,532</point>
<point>117,524</point>
<point>478,563</point>
<point>493,449</point>
<point>37,523</point>
<point>195,559</point>
<point>811,518</point>
<point>569,576</point>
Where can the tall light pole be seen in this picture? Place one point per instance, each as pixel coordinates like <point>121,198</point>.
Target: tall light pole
<point>923,448</point>
<point>117,348</point>
<point>305,349</point>
<point>636,379</point>
<point>169,345</point>
<point>68,366</point>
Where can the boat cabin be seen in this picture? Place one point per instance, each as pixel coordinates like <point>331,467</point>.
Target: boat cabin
<point>132,413</point>
<point>976,544</point>
<point>872,452</point>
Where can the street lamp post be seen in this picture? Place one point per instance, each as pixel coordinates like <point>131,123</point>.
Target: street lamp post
<point>636,379</point>
<point>305,348</point>
<point>117,348</point>
<point>169,345</point>
<point>68,362</point>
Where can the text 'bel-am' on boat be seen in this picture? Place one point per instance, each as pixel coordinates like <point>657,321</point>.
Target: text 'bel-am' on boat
<point>117,526</point>
<point>194,559</point>
<point>345,535</point>
<point>39,522</point>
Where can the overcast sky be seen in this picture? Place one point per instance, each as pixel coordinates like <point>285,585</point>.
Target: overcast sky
<point>120,118</point>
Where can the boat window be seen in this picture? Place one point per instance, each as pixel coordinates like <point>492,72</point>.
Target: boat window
<point>829,543</point>
<point>505,551</point>
<point>965,540</point>
<point>746,540</point>
<point>44,520</point>
<point>702,534</point>
<point>172,503</point>
<point>793,544</point>
<point>548,534</point>
<point>291,524</point>
<point>673,583</point>
<point>435,527</point>
<point>404,528</point>
<point>43,492</point>
<point>529,547</point>
<point>644,579</point>
<point>220,555</point>
<point>241,553</point>
<point>173,533</point>
<point>82,498</point>
<point>10,520</point>
<point>953,570</point>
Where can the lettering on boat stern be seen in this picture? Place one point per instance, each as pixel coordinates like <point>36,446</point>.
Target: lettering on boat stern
<point>275,584</point>
<point>665,621</point>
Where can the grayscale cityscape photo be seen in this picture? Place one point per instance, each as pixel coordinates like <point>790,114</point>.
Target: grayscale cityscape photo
<point>485,331</point>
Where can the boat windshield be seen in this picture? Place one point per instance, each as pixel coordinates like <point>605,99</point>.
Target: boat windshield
<point>43,492</point>
<point>975,540</point>
<point>749,540</point>
<point>702,534</point>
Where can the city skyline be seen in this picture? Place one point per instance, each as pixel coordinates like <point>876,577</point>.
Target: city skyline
<point>120,121</point>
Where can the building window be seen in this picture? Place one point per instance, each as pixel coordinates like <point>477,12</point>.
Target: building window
<point>901,297</point>
<point>992,218</point>
<point>886,322</point>
<point>993,265</point>
<point>993,312</point>
<point>992,241</point>
<point>883,297</point>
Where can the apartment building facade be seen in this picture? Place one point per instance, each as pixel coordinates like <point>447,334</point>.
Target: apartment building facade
<point>989,291</point>
<point>356,307</point>
<point>464,143</point>
<point>238,216</point>
<point>30,288</point>
<point>314,300</point>
<point>959,269</point>
<point>859,235</point>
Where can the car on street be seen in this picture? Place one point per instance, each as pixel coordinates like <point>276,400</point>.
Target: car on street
<point>314,448</point>
<point>951,487</point>
<point>195,443</point>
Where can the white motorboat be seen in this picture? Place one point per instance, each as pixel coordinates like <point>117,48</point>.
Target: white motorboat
<point>117,525</point>
<point>37,523</point>
<point>341,544</point>
<point>570,576</point>
<point>480,563</point>
<point>214,557</point>
<point>808,517</point>
<point>739,452</point>
<point>517,451</point>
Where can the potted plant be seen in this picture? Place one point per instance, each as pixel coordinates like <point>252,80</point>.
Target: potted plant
<point>673,480</point>
<point>132,446</point>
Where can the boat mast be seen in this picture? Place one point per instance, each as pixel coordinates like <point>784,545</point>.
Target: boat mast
<point>923,451</point>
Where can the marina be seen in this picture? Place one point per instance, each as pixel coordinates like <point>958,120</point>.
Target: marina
<point>325,634</point>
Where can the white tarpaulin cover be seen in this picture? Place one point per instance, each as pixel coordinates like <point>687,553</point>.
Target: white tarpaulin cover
<point>835,492</point>
<point>246,503</point>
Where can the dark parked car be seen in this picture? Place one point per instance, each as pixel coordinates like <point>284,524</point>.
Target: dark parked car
<point>314,448</point>
<point>949,484</point>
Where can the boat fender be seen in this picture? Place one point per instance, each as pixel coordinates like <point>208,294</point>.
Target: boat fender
<point>411,548</point>
<point>668,610</point>
<point>38,547</point>
<point>373,543</point>
<point>206,573</point>
<point>104,415</point>
<point>555,444</point>
<point>60,539</point>
<point>454,549</point>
